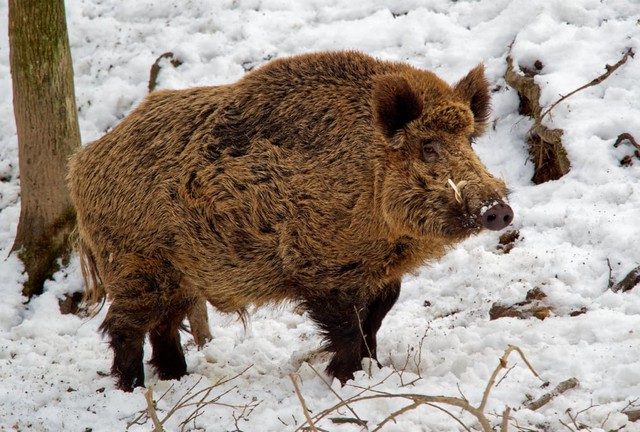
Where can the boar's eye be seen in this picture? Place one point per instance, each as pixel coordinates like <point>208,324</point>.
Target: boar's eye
<point>430,150</point>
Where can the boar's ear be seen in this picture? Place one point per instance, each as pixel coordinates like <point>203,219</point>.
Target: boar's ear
<point>395,103</point>
<point>474,89</point>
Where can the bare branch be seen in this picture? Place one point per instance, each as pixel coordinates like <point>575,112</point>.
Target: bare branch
<point>628,137</point>
<point>612,281</point>
<point>303,403</point>
<point>189,399</point>
<point>464,426</point>
<point>504,426</point>
<point>395,414</point>
<point>546,398</point>
<point>151,410</point>
<point>545,145</point>
<point>594,82</point>
<point>501,365</point>
<point>506,374</point>
<point>631,279</point>
<point>155,69</point>
<point>337,395</point>
<point>418,399</point>
<point>364,340</point>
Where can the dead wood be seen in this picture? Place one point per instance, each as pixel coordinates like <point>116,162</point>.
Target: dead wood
<point>155,69</point>
<point>628,160</point>
<point>532,306</point>
<point>545,145</point>
<point>546,398</point>
<point>631,280</point>
<point>508,241</point>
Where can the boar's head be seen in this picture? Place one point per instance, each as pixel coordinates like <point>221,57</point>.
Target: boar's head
<point>433,184</point>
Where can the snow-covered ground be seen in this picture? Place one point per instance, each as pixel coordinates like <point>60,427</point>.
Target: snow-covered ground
<point>52,366</point>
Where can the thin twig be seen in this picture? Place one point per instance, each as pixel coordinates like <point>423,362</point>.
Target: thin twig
<point>505,374</point>
<point>395,414</point>
<point>612,281</point>
<point>423,399</point>
<point>566,425</point>
<point>450,414</point>
<point>594,82</point>
<point>151,409</point>
<point>303,403</point>
<point>326,383</point>
<point>417,400</point>
<point>504,427</point>
<point>501,365</point>
<point>364,340</point>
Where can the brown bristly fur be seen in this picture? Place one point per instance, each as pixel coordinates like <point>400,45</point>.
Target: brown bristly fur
<point>94,295</point>
<point>320,179</point>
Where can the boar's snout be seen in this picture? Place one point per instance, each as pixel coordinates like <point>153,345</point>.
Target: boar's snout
<point>496,216</point>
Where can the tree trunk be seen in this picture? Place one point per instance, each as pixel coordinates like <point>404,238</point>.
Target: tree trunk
<point>48,134</point>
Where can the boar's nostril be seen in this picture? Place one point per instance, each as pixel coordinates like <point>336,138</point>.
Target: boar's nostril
<point>497,217</point>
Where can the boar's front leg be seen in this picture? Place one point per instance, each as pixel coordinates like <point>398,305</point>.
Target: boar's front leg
<point>350,326</point>
<point>376,312</point>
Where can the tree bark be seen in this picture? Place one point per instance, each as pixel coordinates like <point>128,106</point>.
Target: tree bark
<point>48,134</point>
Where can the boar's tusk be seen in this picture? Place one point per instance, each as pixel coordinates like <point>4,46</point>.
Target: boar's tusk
<point>457,189</point>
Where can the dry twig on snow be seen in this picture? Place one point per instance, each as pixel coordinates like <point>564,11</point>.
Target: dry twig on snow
<point>417,400</point>
<point>546,398</point>
<point>197,400</point>
<point>630,280</point>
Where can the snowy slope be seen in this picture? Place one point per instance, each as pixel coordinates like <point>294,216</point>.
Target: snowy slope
<point>52,366</point>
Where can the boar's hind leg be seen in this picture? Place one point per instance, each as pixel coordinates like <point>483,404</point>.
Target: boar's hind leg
<point>376,312</point>
<point>168,357</point>
<point>141,303</point>
<point>126,335</point>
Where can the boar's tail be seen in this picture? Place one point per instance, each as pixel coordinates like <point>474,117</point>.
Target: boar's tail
<point>94,294</point>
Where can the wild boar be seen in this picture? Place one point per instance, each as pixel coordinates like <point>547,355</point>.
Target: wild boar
<point>320,179</point>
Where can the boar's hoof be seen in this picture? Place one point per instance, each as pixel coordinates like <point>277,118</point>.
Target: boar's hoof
<point>497,217</point>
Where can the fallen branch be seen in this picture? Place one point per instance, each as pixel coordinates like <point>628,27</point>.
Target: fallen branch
<point>546,398</point>
<point>151,410</point>
<point>631,280</point>
<point>628,160</point>
<point>626,137</point>
<point>545,145</point>
<point>611,281</point>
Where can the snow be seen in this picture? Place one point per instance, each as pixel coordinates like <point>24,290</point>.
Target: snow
<point>52,366</point>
